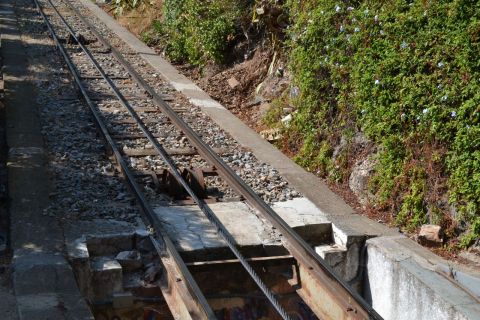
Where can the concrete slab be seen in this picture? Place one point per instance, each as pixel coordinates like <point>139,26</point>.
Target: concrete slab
<point>192,231</point>
<point>107,275</point>
<point>300,212</point>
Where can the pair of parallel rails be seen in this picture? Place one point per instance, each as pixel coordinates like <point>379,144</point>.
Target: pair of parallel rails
<point>320,287</point>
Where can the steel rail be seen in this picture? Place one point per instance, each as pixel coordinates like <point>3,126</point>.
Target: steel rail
<point>221,229</point>
<point>350,300</point>
<point>169,247</point>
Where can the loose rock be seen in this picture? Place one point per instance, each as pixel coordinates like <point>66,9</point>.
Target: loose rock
<point>430,233</point>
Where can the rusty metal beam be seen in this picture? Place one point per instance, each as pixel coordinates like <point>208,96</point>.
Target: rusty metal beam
<point>324,297</point>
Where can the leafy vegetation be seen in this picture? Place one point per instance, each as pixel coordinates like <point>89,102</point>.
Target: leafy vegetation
<point>199,31</point>
<point>406,74</point>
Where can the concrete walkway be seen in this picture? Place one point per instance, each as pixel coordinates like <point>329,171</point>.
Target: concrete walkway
<point>43,281</point>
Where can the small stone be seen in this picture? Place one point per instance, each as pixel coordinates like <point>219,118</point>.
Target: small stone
<point>271,134</point>
<point>233,83</point>
<point>430,233</point>
<point>286,120</point>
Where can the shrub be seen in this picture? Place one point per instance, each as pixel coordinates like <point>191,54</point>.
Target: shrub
<point>199,31</point>
<point>406,74</point>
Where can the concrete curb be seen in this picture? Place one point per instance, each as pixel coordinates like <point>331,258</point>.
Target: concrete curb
<point>404,284</point>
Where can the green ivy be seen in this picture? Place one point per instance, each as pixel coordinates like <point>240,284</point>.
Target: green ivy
<point>406,74</point>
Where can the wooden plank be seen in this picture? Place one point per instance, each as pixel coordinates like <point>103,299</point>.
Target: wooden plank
<point>255,261</point>
<point>100,77</point>
<point>132,121</point>
<point>325,296</point>
<point>137,109</point>
<point>145,109</point>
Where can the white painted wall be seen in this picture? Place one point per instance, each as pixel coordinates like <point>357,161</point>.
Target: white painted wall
<point>398,287</point>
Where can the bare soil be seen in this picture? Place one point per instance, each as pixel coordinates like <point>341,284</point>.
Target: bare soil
<point>239,99</point>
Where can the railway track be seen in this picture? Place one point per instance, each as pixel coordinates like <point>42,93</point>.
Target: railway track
<point>166,155</point>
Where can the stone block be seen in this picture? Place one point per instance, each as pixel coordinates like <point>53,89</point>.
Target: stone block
<point>129,260</point>
<point>36,273</point>
<point>107,277</point>
<point>430,234</point>
<point>335,256</point>
<point>233,83</point>
<point>111,244</point>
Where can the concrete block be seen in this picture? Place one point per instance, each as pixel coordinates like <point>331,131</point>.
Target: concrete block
<point>77,253</point>
<point>335,256</point>
<point>110,244</point>
<point>107,277</point>
<point>42,273</point>
<point>129,260</point>
<point>399,286</point>
<point>299,212</point>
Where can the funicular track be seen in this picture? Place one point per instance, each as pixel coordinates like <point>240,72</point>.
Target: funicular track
<point>325,293</point>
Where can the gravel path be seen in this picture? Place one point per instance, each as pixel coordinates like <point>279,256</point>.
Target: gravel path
<point>86,184</point>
